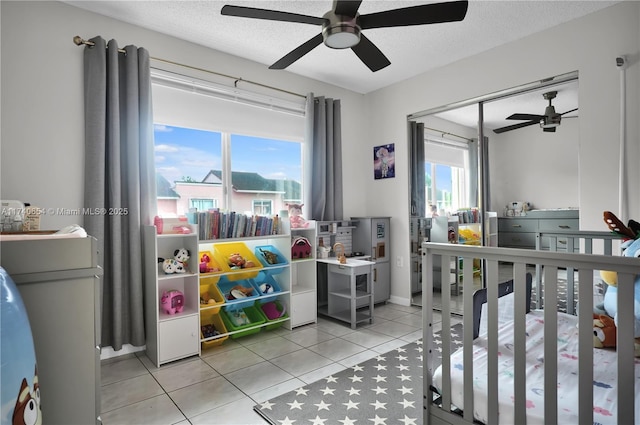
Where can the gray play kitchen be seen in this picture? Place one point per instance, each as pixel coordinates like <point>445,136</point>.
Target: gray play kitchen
<point>348,289</point>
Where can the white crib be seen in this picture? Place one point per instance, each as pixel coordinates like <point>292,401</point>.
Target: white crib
<point>469,388</point>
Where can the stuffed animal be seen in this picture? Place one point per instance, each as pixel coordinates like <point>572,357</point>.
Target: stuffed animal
<point>295,216</point>
<point>170,266</point>
<point>182,255</point>
<point>631,248</point>
<point>177,264</point>
<point>604,331</point>
<point>172,301</point>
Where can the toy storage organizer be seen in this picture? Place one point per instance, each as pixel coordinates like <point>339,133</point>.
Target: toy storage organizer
<point>240,277</point>
<point>203,287</point>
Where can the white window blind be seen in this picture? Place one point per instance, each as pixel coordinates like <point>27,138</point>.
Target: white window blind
<point>196,103</point>
<point>454,154</point>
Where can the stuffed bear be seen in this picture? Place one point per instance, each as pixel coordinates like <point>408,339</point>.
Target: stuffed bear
<point>631,248</point>
<point>295,216</point>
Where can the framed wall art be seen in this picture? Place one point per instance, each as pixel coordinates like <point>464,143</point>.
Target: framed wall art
<point>384,161</point>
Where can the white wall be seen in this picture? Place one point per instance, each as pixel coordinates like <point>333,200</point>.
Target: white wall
<point>42,151</point>
<point>588,45</point>
<point>531,165</point>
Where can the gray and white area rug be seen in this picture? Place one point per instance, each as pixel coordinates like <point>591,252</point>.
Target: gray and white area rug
<point>384,390</point>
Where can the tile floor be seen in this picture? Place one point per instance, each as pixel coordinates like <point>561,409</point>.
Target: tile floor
<point>223,385</point>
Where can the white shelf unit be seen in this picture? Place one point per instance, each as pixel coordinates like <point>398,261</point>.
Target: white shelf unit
<point>281,274</point>
<point>304,285</point>
<point>171,337</point>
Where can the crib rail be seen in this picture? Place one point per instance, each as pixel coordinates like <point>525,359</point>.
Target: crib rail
<point>582,241</point>
<point>550,263</point>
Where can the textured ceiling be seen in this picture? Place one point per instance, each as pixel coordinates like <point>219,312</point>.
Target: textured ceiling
<point>411,50</point>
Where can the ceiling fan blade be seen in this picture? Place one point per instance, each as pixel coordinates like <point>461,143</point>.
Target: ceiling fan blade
<point>297,53</point>
<point>525,117</point>
<point>346,7</point>
<point>370,54</point>
<point>416,15</point>
<point>568,112</point>
<point>272,15</point>
<point>514,126</point>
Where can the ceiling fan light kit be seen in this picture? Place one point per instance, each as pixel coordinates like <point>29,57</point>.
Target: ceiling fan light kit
<point>342,26</point>
<point>340,32</point>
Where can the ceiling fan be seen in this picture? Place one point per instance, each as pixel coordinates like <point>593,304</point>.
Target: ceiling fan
<point>549,121</point>
<point>342,26</point>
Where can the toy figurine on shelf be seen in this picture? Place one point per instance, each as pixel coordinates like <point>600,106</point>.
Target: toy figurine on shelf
<point>172,301</point>
<point>295,216</point>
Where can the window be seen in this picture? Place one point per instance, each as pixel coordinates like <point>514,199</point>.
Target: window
<point>203,204</point>
<point>262,207</point>
<point>444,186</point>
<point>191,169</point>
<point>219,147</point>
<point>445,181</point>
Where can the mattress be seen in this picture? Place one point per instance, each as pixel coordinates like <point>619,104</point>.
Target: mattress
<point>604,379</point>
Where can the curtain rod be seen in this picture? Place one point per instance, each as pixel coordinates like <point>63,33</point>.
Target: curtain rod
<point>448,134</point>
<point>80,41</point>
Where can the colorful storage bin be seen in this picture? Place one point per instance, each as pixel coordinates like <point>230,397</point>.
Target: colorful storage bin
<point>277,312</point>
<point>210,295</point>
<point>226,252</point>
<point>212,317</point>
<point>270,258</point>
<point>263,282</point>
<point>208,264</point>
<point>245,286</point>
<point>252,313</point>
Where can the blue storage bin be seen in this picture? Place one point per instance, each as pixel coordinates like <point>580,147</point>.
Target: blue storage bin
<point>276,264</point>
<point>265,278</point>
<point>226,286</point>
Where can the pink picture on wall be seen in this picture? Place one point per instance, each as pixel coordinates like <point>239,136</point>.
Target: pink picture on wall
<point>384,161</point>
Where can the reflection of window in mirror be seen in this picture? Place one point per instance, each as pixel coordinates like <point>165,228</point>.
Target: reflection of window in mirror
<point>445,182</point>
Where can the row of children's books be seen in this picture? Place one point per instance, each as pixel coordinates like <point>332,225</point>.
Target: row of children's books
<point>469,215</point>
<point>215,224</point>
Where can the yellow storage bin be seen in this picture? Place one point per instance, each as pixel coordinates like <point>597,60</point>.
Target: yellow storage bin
<point>208,264</point>
<point>210,295</point>
<point>208,318</point>
<point>239,261</point>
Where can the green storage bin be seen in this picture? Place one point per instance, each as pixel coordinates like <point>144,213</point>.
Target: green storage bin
<point>255,319</point>
<point>275,323</point>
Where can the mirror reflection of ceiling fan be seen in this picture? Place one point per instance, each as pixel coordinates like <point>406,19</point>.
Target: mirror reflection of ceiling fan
<point>342,26</point>
<point>548,122</point>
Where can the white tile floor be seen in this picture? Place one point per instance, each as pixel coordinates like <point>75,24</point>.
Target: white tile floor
<point>223,385</point>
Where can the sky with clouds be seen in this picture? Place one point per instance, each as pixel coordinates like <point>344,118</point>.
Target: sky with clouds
<point>182,152</point>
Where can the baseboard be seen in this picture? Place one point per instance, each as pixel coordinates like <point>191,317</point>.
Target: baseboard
<point>400,300</point>
<point>109,353</point>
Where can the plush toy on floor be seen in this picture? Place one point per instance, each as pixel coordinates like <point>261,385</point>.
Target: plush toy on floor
<point>295,216</point>
<point>631,248</point>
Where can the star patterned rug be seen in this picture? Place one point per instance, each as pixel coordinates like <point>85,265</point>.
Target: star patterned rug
<point>384,390</point>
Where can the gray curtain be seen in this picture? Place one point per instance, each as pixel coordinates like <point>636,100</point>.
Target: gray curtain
<point>416,165</point>
<point>324,130</point>
<point>119,180</point>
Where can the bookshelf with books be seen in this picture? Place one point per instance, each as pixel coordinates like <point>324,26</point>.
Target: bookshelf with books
<point>216,224</point>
